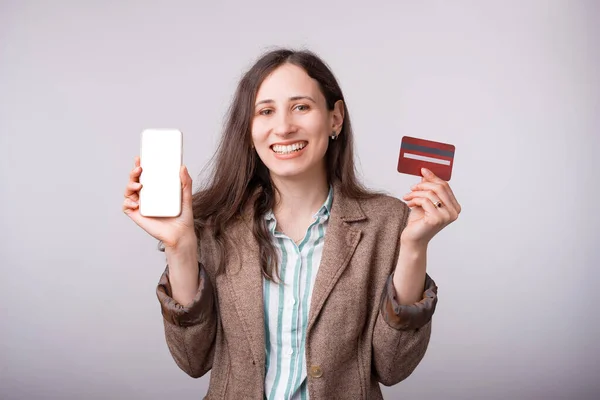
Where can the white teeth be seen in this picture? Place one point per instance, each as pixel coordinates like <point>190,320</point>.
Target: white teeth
<point>288,149</point>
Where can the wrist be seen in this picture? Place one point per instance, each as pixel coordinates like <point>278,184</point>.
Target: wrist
<point>184,244</point>
<point>410,272</point>
<point>413,247</point>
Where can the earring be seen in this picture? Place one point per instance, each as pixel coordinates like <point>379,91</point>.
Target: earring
<point>333,136</point>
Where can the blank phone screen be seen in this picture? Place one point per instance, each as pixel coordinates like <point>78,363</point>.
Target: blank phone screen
<point>160,159</point>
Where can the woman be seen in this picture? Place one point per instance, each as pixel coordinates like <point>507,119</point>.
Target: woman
<point>285,277</point>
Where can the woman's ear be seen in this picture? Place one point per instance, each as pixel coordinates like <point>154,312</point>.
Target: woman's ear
<point>337,116</point>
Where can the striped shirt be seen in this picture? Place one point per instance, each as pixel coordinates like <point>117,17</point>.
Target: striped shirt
<point>286,306</point>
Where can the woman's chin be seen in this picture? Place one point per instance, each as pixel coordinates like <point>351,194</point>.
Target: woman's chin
<point>288,173</point>
<point>296,168</point>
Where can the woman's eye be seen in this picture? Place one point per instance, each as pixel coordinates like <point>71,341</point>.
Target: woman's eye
<point>265,112</point>
<point>302,107</point>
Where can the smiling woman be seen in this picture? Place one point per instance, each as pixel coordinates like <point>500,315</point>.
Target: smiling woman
<point>286,278</point>
<point>292,122</point>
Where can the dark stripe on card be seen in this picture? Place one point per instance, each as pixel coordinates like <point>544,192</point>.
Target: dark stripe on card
<point>425,149</point>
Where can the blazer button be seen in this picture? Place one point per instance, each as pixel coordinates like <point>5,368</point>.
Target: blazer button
<point>316,371</point>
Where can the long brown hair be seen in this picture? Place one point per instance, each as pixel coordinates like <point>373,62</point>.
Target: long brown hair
<point>238,175</point>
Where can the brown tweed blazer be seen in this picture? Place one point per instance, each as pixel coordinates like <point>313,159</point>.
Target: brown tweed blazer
<point>358,335</point>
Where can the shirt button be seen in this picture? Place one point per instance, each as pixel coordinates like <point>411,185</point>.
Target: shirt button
<point>293,301</point>
<point>291,351</point>
<point>315,371</point>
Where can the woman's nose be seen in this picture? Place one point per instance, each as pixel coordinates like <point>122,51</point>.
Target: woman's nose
<point>283,124</point>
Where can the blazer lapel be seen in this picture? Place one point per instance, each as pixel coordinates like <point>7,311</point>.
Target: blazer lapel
<point>341,240</point>
<point>246,285</point>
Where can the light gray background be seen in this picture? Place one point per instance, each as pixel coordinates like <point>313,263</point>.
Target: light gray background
<point>513,84</point>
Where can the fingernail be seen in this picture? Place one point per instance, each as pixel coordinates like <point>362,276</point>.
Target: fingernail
<point>425,171</point>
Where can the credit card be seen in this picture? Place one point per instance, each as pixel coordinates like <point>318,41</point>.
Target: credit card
<point>417,153</point>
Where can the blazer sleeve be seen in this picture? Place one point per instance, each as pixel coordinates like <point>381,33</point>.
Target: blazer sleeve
<point>190,331</point>
<point>401,334</point>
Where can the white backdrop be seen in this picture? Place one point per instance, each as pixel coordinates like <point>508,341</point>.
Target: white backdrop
<point>513,84</point>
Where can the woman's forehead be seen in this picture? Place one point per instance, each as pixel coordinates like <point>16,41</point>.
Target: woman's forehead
<point>285,82</point>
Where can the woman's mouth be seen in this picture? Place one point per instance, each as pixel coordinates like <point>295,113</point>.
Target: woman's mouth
<point>288,149</point>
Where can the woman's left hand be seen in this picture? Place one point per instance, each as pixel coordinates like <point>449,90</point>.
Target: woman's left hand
<point>433,208</point>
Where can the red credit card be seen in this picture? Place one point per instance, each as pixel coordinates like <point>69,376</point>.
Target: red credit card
<point>417,153</point>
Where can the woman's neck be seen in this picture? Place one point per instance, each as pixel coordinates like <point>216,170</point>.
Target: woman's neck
<point>300,197</point>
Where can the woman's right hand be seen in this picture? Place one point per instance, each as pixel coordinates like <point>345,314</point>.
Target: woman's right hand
<point>172,230</point>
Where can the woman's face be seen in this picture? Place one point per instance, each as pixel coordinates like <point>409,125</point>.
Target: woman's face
<point>291,124</point>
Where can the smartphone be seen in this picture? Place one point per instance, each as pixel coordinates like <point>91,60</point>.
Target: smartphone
<point>161,155</point>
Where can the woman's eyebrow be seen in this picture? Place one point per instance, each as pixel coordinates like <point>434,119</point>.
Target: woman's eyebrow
<point>302,98</point>
<point>293,98</point>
